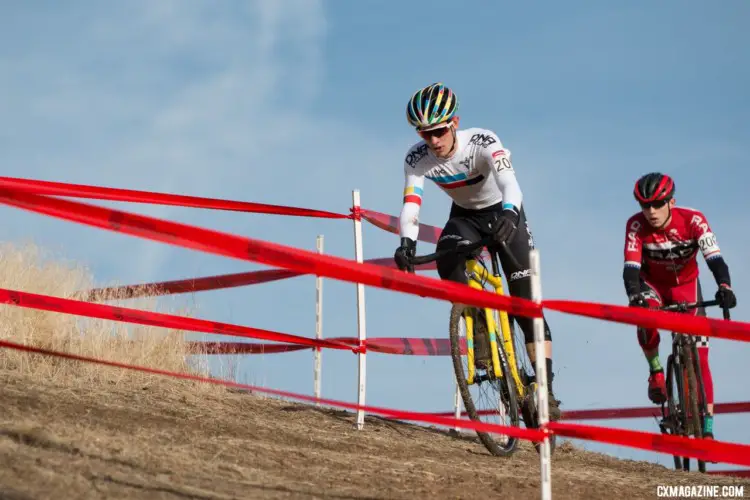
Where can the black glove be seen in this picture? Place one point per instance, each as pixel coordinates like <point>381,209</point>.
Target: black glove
<point>404,253</point>
<point>637,300</point>
<point>503,226</point>
<point>726,297</point>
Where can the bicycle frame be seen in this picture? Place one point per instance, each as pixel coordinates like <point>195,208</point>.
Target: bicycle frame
<point>478,275</point>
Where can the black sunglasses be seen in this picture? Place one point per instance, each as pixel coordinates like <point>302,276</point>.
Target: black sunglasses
<point>654,204</point>
<point>438,132</point>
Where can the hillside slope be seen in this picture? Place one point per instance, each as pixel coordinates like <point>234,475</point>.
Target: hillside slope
<point>176,441</point>
<point>73,430</point>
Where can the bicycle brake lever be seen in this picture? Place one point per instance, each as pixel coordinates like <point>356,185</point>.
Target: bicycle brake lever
<point>725,310</point>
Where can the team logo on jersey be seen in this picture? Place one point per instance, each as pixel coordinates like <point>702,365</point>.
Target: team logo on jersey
<point>482,140</point>
<point>632,237</point>
<point>413,158</point>
<point>677,250</point>
<point>439,170</point>
<point>698,221</point>
<point>468,163</point>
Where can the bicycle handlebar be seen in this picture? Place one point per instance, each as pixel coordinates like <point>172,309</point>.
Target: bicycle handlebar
<point>463,249</point>
<point>684,306</point>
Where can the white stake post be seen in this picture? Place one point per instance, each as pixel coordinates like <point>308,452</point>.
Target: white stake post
<point>359,256</point>
<point>318,325</point>
<point>541,376</point>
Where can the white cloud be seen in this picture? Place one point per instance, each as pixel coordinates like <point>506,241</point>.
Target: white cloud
<point>166,96</point>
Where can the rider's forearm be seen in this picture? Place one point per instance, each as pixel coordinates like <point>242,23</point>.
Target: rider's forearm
<point>409,221</point>
<point>631,277</point>
<point>720,270</point>
<point>512,195</point>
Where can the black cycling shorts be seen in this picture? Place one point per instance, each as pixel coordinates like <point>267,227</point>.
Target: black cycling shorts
<point>472,225</point>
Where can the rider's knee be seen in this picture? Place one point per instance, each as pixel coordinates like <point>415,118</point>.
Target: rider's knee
<point>451,269</point>
<point>648,338</point>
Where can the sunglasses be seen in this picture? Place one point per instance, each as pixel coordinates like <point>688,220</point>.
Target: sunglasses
<point>654,204</point>
<point>438,132</point>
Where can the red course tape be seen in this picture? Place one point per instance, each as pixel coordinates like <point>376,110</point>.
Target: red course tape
<point>308,262</point>
<point>405,346</point>
<point>133,196</point>
<point>645,411</point>
<point>217,282</point>
<point>272,254</point>
<point>188,285</point>
<point>102,311</point>
<point>343,269</point>
<point>704,449</point>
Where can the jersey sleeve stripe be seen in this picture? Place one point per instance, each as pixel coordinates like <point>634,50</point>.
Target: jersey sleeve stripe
<point>630,263</point>
<point>413,194</point>
<point>413,190</point>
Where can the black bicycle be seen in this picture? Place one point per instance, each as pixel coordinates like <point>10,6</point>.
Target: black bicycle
<point>489,354</point>
<point>685,409</point>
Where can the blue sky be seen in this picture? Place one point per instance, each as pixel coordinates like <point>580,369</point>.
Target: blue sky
<point>300,102</point>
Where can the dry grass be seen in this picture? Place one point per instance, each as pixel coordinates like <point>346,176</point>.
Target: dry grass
<point>30,269</point>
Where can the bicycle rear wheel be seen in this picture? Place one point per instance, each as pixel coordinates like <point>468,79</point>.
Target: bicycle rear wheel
<point>673,416</point>
<point>702,402</point>
<point>501,393</point>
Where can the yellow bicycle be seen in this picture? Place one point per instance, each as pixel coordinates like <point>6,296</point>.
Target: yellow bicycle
<point>482,361</point>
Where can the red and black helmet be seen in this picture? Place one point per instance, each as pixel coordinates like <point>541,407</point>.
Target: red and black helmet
<point>654,187</point>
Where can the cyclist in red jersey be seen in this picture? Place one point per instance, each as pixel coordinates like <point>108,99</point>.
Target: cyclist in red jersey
<point>661,268</point>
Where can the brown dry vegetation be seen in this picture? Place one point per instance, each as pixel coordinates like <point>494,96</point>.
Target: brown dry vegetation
<point>69,430</point>
<point>31,269</point>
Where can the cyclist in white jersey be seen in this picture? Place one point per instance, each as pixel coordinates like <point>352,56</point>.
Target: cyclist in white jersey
<point>474,168</point>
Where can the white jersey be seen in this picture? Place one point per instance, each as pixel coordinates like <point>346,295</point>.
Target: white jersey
<point>478,175</point>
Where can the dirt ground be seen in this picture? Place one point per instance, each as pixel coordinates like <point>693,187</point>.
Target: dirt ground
<point>174,442</point>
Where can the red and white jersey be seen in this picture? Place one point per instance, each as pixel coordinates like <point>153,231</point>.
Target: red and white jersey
<point>667,256</point>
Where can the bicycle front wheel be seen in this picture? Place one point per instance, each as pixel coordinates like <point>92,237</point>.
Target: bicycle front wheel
<point>695,410</point>
<point>488,399</point>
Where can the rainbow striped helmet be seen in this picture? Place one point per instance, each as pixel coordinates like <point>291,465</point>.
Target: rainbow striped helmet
<point>431,106</point>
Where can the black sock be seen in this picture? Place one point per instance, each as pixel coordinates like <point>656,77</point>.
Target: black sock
<point>550,375</point>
